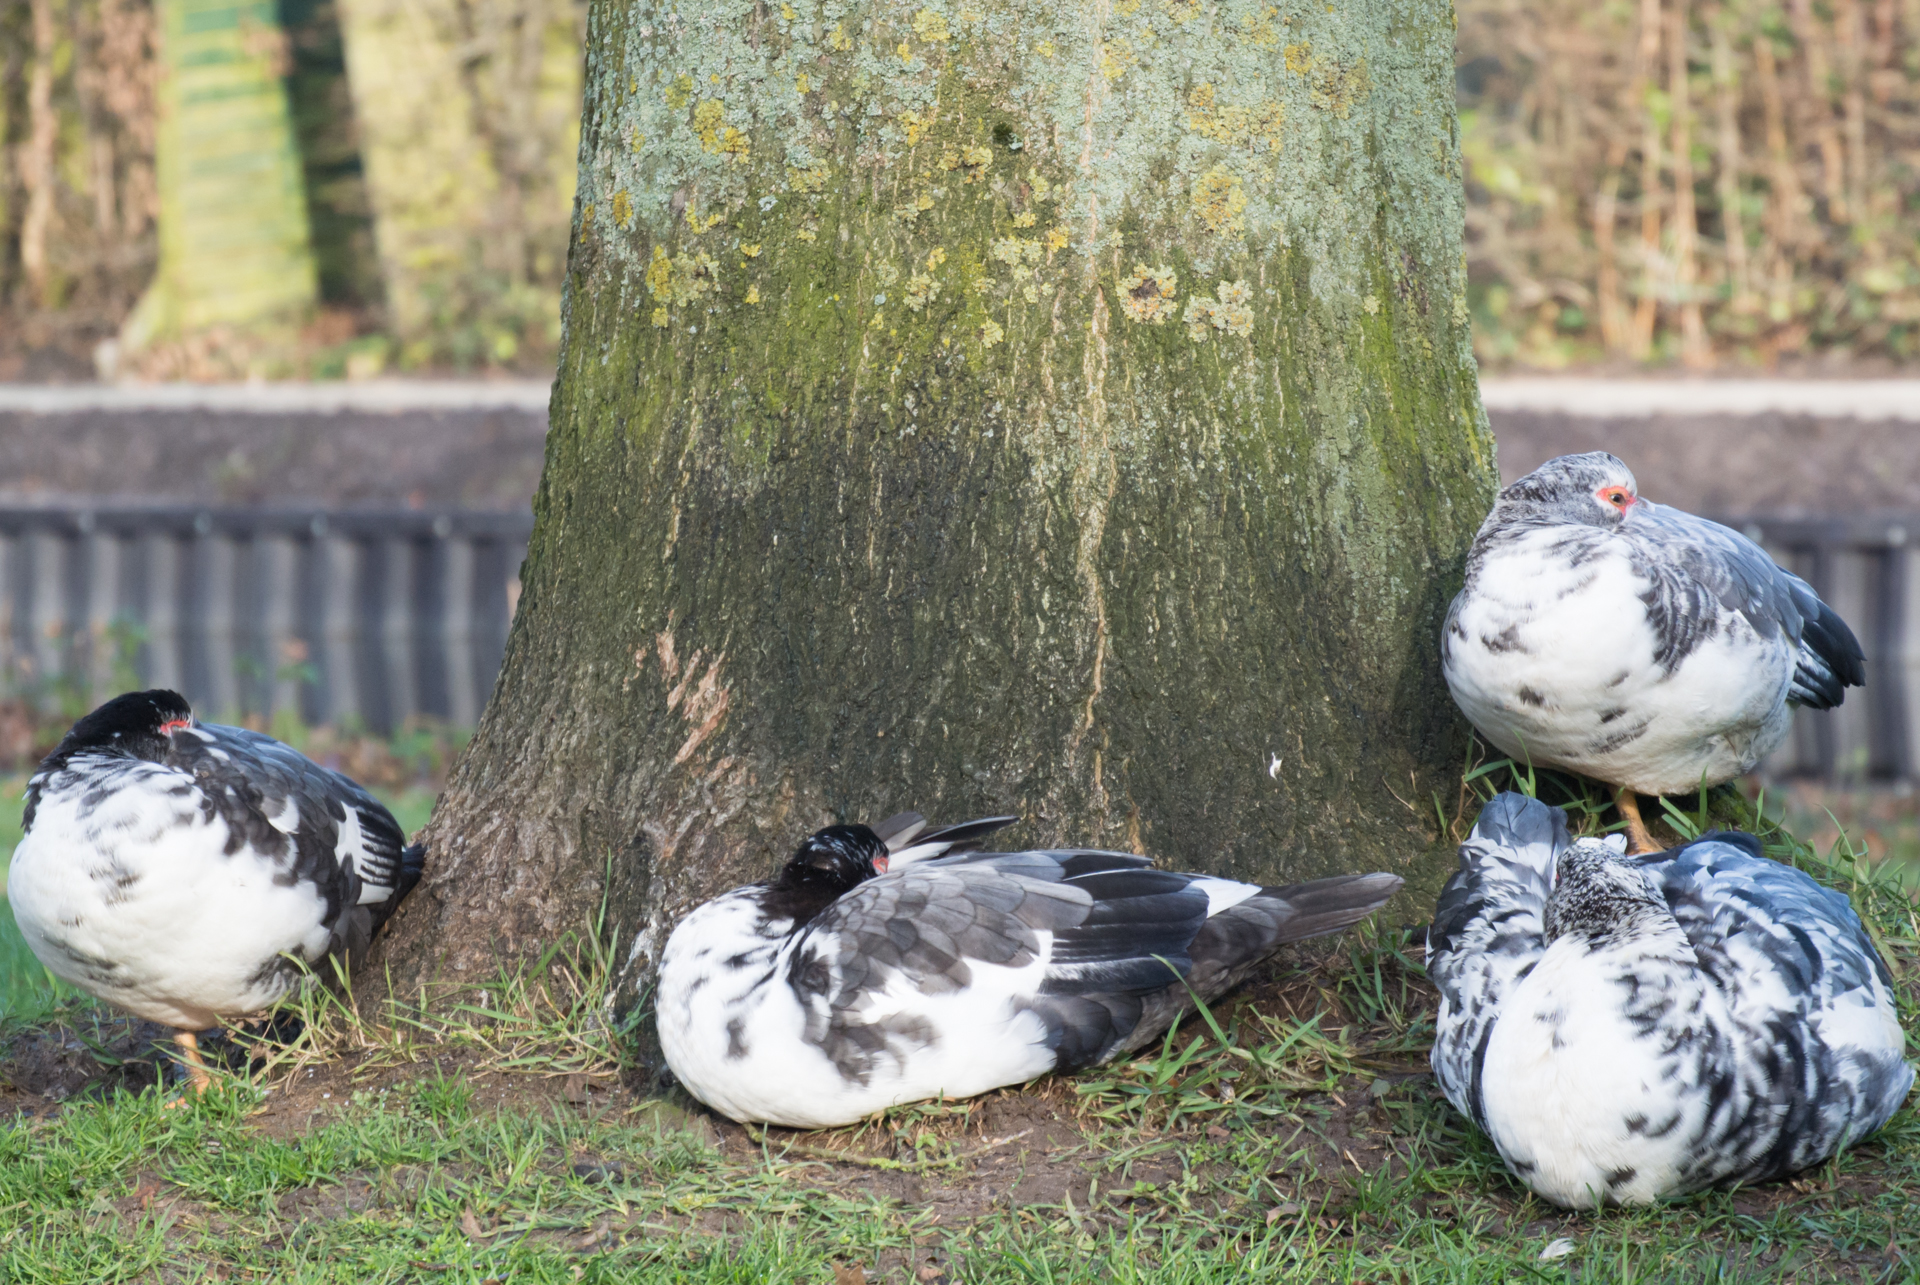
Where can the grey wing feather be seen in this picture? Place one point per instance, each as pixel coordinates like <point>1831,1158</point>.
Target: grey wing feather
<point>290,809</point>
<point>929,929</point>
<point>1487,933</point>
<point>1695,562</point>
<point>1789,955</point>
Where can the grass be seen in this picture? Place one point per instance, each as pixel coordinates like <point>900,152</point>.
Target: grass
<point>1292,1134</point>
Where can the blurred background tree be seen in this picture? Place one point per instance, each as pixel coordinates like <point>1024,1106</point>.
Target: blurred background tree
<point>1700,182</point>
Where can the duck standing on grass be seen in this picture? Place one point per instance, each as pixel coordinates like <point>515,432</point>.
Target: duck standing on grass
<point>177,869</point>
<point>883,966</point>
<point>1627,1029</point>
<point>1631,642</point>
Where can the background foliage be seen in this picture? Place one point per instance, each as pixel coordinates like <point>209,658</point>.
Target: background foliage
<point>1734,182</point>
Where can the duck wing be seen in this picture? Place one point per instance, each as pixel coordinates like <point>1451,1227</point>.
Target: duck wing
<point>316,826</point>
<point>1104,951</point>
<point>1488,932</point>
<point>1696,565</point>
<point>1802,977</point>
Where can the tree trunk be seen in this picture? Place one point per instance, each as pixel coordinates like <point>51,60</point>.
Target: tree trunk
<point>1065,410</point>
<point>233,219</point>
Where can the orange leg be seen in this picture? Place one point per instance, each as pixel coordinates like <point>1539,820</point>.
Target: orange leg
<point>197,1077</point>
<point>1638,838</point>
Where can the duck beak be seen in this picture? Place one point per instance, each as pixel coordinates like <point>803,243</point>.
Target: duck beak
<point>880,865</point>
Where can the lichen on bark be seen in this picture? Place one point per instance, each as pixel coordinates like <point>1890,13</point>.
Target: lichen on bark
<point>1063,408</point>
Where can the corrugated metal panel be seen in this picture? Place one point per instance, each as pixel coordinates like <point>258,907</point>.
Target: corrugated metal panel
<point>354,617</point>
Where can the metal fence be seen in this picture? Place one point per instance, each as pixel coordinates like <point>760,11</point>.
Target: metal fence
<point>369,617</point>
<point>351,618</point>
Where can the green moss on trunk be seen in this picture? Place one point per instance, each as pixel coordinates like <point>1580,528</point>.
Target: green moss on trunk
<point>1054,408</point>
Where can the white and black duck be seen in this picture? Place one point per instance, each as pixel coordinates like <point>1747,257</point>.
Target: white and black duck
<point>1632,1028</point>
<point>883,967</point>
<point>172,867</point>
<point>1632,642</point>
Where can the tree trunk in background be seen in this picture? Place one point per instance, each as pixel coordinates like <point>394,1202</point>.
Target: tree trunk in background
<point>233,218</point>
<point>468,129</point>
<point>1060,408</point>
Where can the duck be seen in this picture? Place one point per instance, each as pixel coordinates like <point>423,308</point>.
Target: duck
<point>892,964</point>
<point>1634,643</point>
<point>185,871</point>
<point>1627,1029</point>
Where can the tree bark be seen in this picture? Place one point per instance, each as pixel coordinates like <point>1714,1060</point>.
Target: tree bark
<point>1061,408</point>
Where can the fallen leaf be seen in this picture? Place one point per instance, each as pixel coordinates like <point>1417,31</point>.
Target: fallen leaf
<point>849,1274</point>
<point>470,1225</point>
<point>1218,1134</point>
<point>930,1272</point>
<point>574,1089</point>
<point>1557,1250</point>
<point>1286,1209</point>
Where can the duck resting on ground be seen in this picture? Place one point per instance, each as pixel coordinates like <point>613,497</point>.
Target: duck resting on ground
<point>1632,1028</point>
<point>176,869</point>
<point>836,990</point>
<point>1632,642</point>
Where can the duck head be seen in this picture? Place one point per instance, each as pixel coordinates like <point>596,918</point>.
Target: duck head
<point>1601,897</point>
<point>1594,489</point>
<point>137,725</point>
<point>828,865</point>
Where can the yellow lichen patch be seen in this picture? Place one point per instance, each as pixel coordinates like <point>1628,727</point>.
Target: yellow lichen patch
<point>680,91</point>
<point>586,215</point>
<point>786,11</point>
<point>908,213</point>
<point>751,251</point>
<point>1219,200</point>
<point>1371,303</point>
<point>888,273</point>
<point>1125,8</point>
<point>622,209</point>
<point>637,141</point>
<point>922,290</point>
<point>808,234</point>
<point>838,41</point>
<point>949,160</point>
<point>660,318</point>
<point>1147,294</point>
<point>991,334</point>
<point>633,85</point>
<point>1183,10</point>
<point>925,202</point>
<point>973,17</point>
<point>1012,250</point>
<point>1260,31</point>
<point>930,25</point>
<point>1338,87</point>
<point>1044,49</point>
<point>753,294</point>
<point>905,53</point>
<point>917,124</point>
<point>1299,57</point>
<point>1057,239</point>
<point>1227,311</point>
<point>1024,219</point>
<point>1041,188</point>
<point>801,85</point>
<point>681,279</point>
<point>936,257</point>
<point>699,223</point>
<point>1115,57</point>
<point>977,159</point>
<point>811,179</point>
<point>1232,125</point>
<point>708,120</point>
